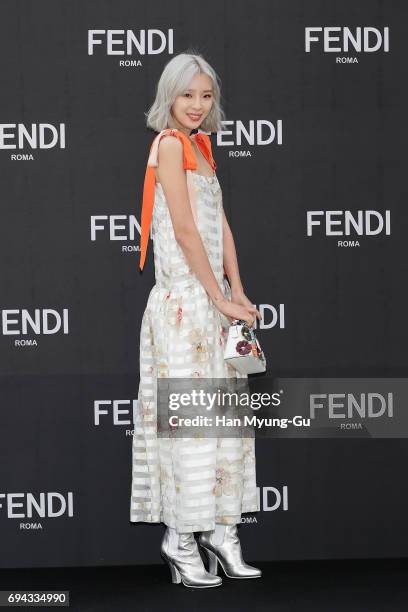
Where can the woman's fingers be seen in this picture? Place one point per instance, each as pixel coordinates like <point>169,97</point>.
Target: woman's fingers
<point>255,312</point>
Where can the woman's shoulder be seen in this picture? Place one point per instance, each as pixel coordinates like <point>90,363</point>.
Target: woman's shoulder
<point>170,150</point>
<point>170,140</point>
<point>177,134</point>
<point>180,148</point>
<point>167,147</point>
<point>170,143</point>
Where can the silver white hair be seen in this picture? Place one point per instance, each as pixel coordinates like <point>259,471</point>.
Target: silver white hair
<point>175,79</point>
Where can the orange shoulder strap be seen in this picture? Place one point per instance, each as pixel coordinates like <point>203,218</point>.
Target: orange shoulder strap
<point>204,144</point>
<point>189,163</point>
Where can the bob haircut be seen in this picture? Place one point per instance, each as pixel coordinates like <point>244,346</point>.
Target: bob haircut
<point>174,80</point>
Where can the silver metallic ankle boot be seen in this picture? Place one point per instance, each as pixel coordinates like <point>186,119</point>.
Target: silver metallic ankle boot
<point>228,553</point>
<point>181,552</point>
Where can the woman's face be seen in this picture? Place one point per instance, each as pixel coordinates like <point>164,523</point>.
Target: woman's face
<point>191,108</point>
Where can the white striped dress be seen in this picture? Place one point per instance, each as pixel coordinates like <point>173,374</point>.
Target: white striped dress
<point>188,484</point>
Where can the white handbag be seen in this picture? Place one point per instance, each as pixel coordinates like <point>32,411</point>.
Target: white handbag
<point>242,349</point>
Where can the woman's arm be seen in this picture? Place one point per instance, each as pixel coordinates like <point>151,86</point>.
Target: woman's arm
<point>174,183</point>
<point>232,269</point>
<point>230,257</point>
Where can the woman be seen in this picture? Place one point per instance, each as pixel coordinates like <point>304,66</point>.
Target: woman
<point>192,485</point>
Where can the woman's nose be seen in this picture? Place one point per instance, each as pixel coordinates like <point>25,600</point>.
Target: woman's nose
<point>197,104</point>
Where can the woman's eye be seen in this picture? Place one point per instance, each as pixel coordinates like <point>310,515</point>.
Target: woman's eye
<point>206,95</point>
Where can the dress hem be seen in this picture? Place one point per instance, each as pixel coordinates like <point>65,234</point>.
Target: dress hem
<point>207,526</point>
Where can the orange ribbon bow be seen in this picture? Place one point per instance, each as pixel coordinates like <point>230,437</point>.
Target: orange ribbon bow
<point>189,163</point>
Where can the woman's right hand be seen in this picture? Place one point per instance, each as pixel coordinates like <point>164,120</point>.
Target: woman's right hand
<point>236,311</point>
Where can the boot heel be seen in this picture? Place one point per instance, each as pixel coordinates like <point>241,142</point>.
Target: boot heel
<point>175,574</point>
<point>212,562</point>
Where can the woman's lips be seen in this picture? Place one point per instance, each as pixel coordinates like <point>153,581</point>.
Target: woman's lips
<point>194,117</point>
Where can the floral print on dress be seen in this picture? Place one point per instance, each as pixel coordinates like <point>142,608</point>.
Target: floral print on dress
<point>162,369</point>
<point>225,480</point>
<point>222,338</point>
<point>199,345</point>
<point>174,310</point>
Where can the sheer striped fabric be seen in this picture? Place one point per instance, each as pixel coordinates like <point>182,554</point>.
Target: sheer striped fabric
<point>188,484</point>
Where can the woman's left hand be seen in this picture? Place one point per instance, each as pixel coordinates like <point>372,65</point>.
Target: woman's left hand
<point>239,297</point>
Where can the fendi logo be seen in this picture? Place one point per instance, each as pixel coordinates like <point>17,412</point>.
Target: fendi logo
<point>348,405</point>
<point>255,132</point>
<point>41,505</point>
<point>120,228</point>
<point>336,39</point>
<point>33,136</point>
<point>130,42</point>
<point>117,228</point>
<point>119,412</point>
<point>272,316</point>
<point>272,498</point>
<point>347,223</point>
<point>40,321</point>
<point>269,499</point>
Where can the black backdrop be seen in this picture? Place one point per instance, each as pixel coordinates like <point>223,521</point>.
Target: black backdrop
<point>69,237</point>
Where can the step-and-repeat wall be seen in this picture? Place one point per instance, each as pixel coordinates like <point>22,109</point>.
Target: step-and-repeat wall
<point>312,164</point>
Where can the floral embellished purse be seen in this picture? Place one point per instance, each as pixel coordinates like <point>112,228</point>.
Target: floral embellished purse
<point>242,349</point>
